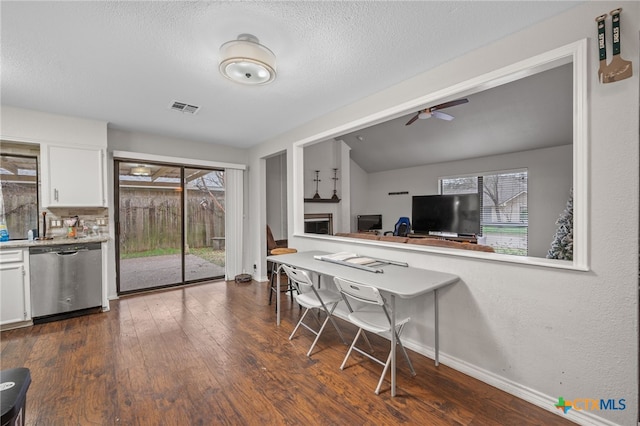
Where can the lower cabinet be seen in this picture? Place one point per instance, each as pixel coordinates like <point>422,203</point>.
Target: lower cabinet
<point>15,306</point>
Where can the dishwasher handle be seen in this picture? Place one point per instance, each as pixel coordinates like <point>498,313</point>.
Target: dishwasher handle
<point>71,252</point>
<point>64,249</point>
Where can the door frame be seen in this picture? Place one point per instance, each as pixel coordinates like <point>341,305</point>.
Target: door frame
<point>116,185</point>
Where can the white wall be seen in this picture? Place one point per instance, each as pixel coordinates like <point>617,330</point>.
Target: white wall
<point>537,332</point>
<point>324,157</point>
<point>320,157</point>
<point>344,185</point>
<point>276,185</point>
<point>34,126</point>
<point>121,140</point>
<point>359,196</point>
<point>550,180</point>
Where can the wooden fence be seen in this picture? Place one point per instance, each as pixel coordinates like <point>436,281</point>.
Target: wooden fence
<point>151,219</point>
<point>21,209</point>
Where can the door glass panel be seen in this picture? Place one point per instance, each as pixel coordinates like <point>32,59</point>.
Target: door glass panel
<point>150,226</point>
<point>204,223</point>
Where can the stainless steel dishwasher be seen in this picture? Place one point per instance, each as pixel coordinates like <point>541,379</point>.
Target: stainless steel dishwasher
<point>66,280</point>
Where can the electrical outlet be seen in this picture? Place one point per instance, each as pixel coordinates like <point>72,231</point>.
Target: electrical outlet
<point>254,267</point>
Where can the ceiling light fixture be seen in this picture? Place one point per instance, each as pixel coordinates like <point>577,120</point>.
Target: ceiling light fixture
<point>246,61</point>
<point>140,171</point>
<point>424,115</point>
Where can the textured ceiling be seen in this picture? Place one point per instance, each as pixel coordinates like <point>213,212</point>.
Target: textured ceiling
<point>125,62</point>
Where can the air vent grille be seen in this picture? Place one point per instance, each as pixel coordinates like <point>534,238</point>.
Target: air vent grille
<point>184,107</point>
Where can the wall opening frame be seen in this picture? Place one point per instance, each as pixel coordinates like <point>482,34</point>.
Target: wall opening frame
<point>575,53</point>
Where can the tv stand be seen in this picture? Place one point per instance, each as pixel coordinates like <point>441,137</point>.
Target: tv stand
<point>460,239</point>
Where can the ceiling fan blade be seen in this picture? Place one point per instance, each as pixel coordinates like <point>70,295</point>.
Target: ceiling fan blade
<point>415,117</point>
<point>442,115</point>
<point>451,104</point>
<point>428,112</point>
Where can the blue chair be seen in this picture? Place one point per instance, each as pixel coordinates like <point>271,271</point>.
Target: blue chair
<point>402,228</point>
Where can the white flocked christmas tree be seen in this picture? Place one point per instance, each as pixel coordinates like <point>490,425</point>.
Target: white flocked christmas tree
<point>562,244</point>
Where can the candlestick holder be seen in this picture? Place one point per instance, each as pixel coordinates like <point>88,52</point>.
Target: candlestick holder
<point>317,180</point>
<point>335,181</point>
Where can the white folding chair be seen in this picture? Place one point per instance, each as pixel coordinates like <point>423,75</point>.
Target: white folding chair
<point>311,298</point>
<point>374,317</point>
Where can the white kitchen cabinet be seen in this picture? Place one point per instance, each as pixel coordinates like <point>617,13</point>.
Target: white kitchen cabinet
<point>15,303</point>
<point>73,176</point>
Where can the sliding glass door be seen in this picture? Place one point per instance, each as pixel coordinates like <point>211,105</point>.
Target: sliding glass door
<point>169,225</point>
<point>205,213</point>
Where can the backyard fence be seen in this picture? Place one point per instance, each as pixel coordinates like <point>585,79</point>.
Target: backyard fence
<point>20,208</point>
<point>151,220</point>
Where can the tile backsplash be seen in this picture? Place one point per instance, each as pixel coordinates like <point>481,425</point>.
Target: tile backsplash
<point>91,221</point>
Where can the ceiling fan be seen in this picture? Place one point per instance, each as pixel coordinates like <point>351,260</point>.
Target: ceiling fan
<point>434,111</point>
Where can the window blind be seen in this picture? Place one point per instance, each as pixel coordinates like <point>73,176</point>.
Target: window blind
<point>505,215</point>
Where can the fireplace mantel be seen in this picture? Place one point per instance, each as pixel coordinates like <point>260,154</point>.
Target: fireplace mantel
<point>322,200</point>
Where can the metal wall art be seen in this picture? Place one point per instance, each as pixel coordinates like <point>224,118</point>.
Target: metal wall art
<point>618,69</point>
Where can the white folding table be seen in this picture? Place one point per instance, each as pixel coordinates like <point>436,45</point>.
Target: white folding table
<point>401,281</point>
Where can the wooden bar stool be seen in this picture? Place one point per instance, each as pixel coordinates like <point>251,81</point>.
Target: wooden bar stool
<point>273,274</point>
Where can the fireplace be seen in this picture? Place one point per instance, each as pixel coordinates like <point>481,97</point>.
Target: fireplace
<point>318,223</point>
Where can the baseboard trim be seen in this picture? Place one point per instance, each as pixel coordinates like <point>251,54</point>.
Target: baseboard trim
<point>532,396</point>
<point>14,325</point>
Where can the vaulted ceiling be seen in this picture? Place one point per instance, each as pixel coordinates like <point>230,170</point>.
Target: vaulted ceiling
<point>526,114</point>
<point>126,62</point>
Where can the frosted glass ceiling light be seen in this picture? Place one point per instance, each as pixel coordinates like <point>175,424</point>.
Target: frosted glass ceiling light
<point>246,61</point>
<point>140,171</point>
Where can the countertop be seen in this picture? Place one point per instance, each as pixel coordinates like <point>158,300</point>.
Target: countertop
<point>53,241</point>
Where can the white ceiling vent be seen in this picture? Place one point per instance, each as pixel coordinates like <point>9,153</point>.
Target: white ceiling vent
<point>184,107</point>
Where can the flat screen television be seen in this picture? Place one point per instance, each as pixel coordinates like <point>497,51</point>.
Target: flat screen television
<point>369,222</point>
<point>456,213</point>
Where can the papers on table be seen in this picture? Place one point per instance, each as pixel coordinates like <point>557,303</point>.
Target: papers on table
<point>362,260</point>
<point>353,260</point>
<point>347,257</point>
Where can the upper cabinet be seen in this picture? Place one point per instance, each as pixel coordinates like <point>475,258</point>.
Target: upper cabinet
<point>73,176</point>
<point>73,155</point>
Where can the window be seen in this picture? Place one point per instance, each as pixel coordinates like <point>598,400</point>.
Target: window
<point>19,194</point>
<point>505,215</point>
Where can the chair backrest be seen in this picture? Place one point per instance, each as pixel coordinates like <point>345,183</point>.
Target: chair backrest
<point>300,278</point>
<point>360,292</point>
<point>403,227</point>
<point>271,242</point>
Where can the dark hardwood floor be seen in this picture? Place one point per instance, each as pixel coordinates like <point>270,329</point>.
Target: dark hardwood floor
<point>211,354</point>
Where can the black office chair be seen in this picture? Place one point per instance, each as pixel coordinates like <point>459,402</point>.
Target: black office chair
<point>402,228</point>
